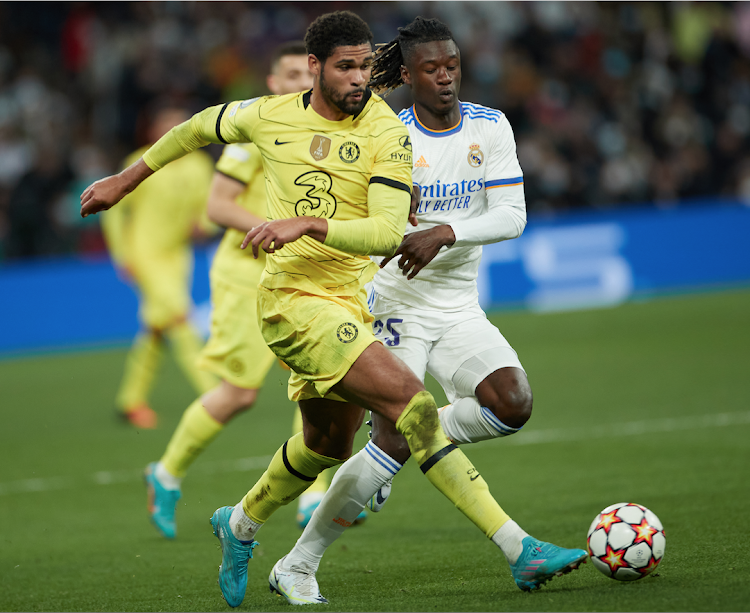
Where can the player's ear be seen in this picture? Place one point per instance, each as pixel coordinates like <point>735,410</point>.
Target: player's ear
<point>313,63</point>
<point>405,76</point>
<point>271,83</point>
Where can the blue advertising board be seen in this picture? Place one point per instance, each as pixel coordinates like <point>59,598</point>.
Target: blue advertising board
<point>579,260</point>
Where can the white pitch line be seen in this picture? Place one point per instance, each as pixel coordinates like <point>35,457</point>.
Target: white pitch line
<point>633,428</point>
<point>535,437</point>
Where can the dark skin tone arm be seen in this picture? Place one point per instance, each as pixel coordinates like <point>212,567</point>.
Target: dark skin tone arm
<point>419,248</point>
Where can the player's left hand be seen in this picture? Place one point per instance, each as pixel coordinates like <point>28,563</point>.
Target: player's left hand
<point>419,249</point>
<point>273,235</point>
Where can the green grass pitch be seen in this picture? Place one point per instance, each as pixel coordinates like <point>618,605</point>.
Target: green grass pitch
<point>648,402</point>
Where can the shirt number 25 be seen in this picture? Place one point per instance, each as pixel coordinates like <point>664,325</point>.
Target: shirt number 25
<point>395,338</point>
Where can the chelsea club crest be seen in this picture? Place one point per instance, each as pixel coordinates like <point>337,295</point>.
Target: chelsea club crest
<point>476,157</point>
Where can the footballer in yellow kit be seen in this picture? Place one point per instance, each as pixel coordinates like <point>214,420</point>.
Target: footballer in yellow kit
<point>311,296</point>
<point>150,239</point>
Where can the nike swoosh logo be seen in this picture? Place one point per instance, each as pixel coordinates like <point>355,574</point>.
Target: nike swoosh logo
<point>474,478</point>
<point>379,498</point>
<point>286,142</point>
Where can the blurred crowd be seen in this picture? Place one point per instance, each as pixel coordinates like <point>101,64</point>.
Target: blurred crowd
<point>612,103</point>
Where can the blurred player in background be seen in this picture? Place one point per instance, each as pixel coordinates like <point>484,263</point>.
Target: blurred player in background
<point>338,166</point>
<point>150,239</point>
<point>425,302</point>
<point>235,351</point>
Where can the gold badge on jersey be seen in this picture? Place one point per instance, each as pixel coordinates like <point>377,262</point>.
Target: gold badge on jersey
<point>349,152</point>
<point>476,157</point>
<point>320,147</point>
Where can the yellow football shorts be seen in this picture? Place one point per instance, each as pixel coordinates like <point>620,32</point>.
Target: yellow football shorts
<point>319,338</point>
<point>235,350</point>
<point>164,288</point>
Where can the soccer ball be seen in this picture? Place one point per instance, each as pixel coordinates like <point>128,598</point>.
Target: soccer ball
<point>626,541</point>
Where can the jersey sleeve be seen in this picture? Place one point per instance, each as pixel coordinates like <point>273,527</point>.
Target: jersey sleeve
<point>388,198</point>
<point>380,233</point>
<point>392,164</point>
<point>232,122</point>
<point>506,215</point>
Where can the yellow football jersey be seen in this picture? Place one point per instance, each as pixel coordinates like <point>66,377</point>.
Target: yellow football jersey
<point>158,217</point>
<point>322,168</point>
<point>243,163</point>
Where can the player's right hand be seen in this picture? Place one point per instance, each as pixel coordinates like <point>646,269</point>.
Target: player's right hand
<point>102,195</point>
<point>106,193</point>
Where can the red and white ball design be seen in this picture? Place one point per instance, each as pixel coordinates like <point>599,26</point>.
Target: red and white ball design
<point>626,541</point>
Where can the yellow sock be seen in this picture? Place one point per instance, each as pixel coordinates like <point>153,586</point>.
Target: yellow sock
<point>446,467</point>
<point>186,346</point>
<point>194,433</point>
<point>324,479</point>
<point>141,365</point>
<point>292,470</point>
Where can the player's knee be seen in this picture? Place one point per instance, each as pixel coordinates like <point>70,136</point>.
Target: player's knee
<point>390,441</point>
<point>336,447</point>
<point>513,406</point>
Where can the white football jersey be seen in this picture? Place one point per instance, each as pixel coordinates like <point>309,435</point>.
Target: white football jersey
<point>470,179</point>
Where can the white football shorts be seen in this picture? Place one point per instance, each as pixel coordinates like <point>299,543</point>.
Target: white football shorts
<point>460,349</point>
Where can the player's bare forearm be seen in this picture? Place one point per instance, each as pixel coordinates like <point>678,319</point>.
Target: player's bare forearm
<point>273,235</point>
<point>107,192</point>
<point>419,249</point>
<point>222,207</point>
<point>414,205</point>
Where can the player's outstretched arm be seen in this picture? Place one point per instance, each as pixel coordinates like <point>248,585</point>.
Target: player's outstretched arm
<point>198,131</point>
<point>107,192</point>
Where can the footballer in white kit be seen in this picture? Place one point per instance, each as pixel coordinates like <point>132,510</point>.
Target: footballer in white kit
<point>426,307</point>
<point>469,178</point>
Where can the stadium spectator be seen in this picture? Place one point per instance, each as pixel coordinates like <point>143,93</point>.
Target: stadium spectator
<point>612,103</point>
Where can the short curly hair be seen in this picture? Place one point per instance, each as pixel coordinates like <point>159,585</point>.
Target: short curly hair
<point>337,29</point>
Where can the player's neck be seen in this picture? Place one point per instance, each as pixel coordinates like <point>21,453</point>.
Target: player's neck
<point>325,109</point>
<point>438,121</point>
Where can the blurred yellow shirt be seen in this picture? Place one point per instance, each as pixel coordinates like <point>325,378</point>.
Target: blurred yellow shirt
<point>158,218</point>
<point>243,163</point>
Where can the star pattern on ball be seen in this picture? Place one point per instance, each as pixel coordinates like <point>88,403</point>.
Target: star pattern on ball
<point>644,533</point>
<point>607,520</point>
<point>652,564</point>
<point>613,559</point>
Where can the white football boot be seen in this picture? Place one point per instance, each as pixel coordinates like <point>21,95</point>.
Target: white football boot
<point>296,585</point>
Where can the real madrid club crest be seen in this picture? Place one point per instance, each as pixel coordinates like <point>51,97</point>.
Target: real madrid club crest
<point>476,157</point>
<point>349,152</point>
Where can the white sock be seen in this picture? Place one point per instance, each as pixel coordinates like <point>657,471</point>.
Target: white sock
<point>466,421</point>
<point>166,478</point>
<point>355,482</point>
<point>509,538</point>
<point>241,525</point>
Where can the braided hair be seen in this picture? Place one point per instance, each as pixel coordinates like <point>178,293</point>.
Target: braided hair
<point>386,65</point>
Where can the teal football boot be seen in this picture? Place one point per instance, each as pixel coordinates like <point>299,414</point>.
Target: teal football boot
<point>161,503</point>
<point>234,557</point>
<point>539,562</point>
